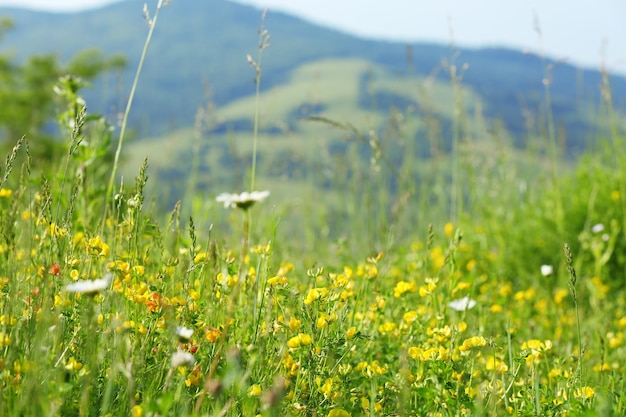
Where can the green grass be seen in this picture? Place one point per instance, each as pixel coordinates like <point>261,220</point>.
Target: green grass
<point>341,294</point>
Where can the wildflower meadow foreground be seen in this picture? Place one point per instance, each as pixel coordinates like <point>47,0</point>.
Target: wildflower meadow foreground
<point>120,315</point>
<point>474,295</point>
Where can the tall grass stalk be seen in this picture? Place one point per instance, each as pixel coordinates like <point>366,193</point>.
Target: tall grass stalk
<point>10,160</point>
<point>569,263</point>
<point>152,25</point>
<point>264,39</point>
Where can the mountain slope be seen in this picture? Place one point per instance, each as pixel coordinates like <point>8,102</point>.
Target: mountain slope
<point>196,43</point>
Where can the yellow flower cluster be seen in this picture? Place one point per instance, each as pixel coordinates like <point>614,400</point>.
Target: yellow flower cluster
<point>475,342</point>
<point>315,294</point>
<point>403,287</point>
<point>437,353</point>
<point>96,247</point>
<point>370,369</point>
<point>535,350</point>
<point>301,339</point>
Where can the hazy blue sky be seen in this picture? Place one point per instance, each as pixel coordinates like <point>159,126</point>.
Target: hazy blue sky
<point>575,30</point>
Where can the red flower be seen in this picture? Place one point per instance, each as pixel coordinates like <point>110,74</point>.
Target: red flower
<point>54,269</point>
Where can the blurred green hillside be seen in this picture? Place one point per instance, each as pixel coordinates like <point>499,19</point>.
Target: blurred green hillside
<point>203,45</point>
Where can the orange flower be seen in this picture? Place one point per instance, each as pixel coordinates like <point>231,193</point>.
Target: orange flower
<point>212,334</point>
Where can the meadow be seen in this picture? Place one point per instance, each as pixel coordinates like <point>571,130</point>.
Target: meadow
<point>483,280</point>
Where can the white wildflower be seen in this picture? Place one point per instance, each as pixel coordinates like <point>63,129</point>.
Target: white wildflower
<point>462,304</point>
<point>90,287</point>
<point>182,358</point>
<point>597,228</point>
<point>546,270</point>
<point>243,201</point>
<point>184,334</point>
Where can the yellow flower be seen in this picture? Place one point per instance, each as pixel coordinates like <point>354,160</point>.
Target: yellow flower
<point>61,302</point>
<point>294,342</point>
<point>535,350</point>
<point>338,412</point>
<point>5,340</point>
<point>56,231</point>
<point>414,352</point>
<point>496,308</point>
<point>261,249</point>
<point>387,327</point>
<point>403,287</point>
<point>136,411</point>
<point>410,316</point>
<point>315,294</point>
<point>473,343</point>
<point>300,340</point>
<point>365,404</point>
<point>285,267</point>
<point>604,367</point>
<point>559,295</point>
<point>438,353</point>
<point>95,246</point>
<point>448,229</point>
<point>537,345</point>
<point>375,368</point>
<point>143,330</point>
<point>321,322</point>
<point>294,324</point>
<point>73,365</point>
<point>615,339</point>
<point>199,257</point>
<point>558,373</point>
<point>427,289</point>
<point>192,379</point>
<point>437,257</point>
<point>615,195</point>
<point>585,393</point>
<point>494,364</point>
<point>277,280</point>
<point>305,339</point>
<point>254,390</point>
<point>327,387</point>
<point>351,332</point>
<point>505,290</point>
<point>371,271</point>
<point>471,264</point>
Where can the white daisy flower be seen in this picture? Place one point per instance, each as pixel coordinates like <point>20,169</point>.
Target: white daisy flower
<point>243,201</point>
<point>184,334</point>
<point>90,287</point>
<point>546,270</point>
<point>462,304</point>
<point>182,358</point>
<point>597,228</point>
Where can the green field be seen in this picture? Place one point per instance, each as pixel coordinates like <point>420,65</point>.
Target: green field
<point>408,261</point>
